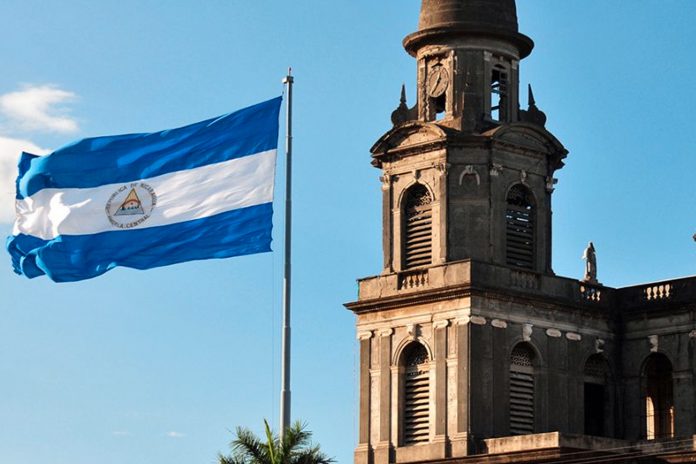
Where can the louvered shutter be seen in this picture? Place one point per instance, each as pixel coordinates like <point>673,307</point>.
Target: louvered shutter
<point>418,227</point>
<point>520,228</point>
<point>521,392</point>
<point>416,406</point>
<point>416,396</point>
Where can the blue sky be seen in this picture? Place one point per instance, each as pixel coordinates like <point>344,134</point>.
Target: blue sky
<point>159,366</point>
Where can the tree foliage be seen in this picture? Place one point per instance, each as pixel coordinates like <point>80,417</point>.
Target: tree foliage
<point>295,448</point>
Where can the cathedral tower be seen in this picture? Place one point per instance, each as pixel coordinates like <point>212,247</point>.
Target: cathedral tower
<point>469,344</point>
<point>465,159</point>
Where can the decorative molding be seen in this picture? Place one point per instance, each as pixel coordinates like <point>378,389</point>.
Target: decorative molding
<point>654,341</point>
<point>496,169</point>
<point>692,334</point>
<point>572,336</point>
<point>599,346</point>
<point>413,279</point>
<point>386,332</point>
<point>463,321</point>
<point>498,324</point>
<point>478,320</point>
<point>442,168</point>
<point>386,180</point>
<point>441,324</point>
<point>527,332</point>
<point>551,184</point>
<point>526,280</point>
<point>554,333</point>
<point>469,170</point>
<point>412,330</point>
<point>365,335</point>
<point>523,177</point>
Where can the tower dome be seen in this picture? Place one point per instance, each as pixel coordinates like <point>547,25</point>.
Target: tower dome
<point>482,18</point>
<point>497,14</point>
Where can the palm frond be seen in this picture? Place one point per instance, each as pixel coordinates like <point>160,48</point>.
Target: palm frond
<point>247,448</point>
<point>312,455</point>
<point>271,445</point>
<point>296,437</point>
<point>294,448</point>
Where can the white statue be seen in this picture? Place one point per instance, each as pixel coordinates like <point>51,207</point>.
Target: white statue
<point>590,257</point>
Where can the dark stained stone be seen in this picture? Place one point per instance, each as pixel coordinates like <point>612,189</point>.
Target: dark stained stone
<point>440,19</point>
<point>475,14</point>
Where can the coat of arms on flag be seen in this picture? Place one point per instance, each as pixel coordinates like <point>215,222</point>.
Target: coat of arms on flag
<point>196,192</point>
<point>131,205</point>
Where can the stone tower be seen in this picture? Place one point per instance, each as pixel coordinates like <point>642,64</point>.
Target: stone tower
<point>486,165</point>
<point>469,344</point>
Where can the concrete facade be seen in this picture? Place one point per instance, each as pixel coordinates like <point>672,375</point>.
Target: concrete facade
<point>595,353</point>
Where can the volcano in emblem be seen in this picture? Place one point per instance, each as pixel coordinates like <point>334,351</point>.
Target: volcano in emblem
<point>131,206</point>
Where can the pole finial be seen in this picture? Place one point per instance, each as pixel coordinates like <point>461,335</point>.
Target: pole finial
<point>289,79</point>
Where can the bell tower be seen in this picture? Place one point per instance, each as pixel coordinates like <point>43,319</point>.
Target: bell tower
<point>467,179</point>
<point>468,54</point>
<point>487,166</point>
<point>470,345</point>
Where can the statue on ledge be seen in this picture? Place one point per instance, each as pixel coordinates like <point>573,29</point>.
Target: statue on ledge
<point>590,257</point>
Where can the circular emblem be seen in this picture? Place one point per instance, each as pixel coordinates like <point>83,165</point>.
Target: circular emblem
<point>131,205</point>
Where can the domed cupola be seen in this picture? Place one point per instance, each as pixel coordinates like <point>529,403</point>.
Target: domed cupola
<point>468,18</point>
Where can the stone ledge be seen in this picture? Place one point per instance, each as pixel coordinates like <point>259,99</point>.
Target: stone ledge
<point>552,440</point>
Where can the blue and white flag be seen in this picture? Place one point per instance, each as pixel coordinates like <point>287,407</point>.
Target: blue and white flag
<point>147,200</point>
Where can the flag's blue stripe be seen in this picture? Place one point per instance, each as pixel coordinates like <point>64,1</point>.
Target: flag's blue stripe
<point>124,158</point>
<point>78,257</point>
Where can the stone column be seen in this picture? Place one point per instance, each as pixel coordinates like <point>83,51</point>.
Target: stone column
<point>440,329</point>
<point>561,392</point>
<point>682,394</point>
<point>362,452</point>
<point>459,438</point>
<point>443,213</point>
<point>383,448</point>
<point>387,224</point>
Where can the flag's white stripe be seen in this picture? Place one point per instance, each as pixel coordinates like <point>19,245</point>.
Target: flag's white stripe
<point>181,196</point>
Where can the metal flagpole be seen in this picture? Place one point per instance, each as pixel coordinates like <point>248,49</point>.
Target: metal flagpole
<point>285,368</point>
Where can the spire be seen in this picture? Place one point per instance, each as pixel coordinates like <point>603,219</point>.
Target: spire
<point>530,98</point>
<point>401,114</point>
<point>474,18</point>
<point>533,114</point>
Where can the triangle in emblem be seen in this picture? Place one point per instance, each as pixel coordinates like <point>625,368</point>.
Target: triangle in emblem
<point>131,206</point>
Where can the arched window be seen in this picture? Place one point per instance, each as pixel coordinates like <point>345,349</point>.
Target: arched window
<point>499,93</point>
<point>658,397</point>
<point>415,423</point>
<point>596,376</point>
<point>417,227</point>
<point>522,390</point>
<point>520,228</point>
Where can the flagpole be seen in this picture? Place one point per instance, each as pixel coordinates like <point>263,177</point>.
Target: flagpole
<point>285,368</point>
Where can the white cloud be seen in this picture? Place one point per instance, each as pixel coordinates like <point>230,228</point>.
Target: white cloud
<point>175,435</point>
<point>39,108</point>
<point>10,149</point>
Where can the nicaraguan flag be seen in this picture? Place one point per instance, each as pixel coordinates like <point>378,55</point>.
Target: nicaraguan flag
<point>148,200</point>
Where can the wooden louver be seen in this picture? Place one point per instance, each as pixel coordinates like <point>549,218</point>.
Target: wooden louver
<point>521,392</point>
<point>416,410</point>
<point>520,225</point>
<point>418,227</point>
